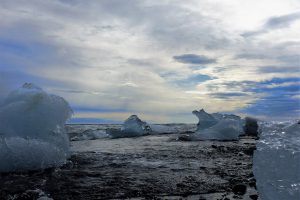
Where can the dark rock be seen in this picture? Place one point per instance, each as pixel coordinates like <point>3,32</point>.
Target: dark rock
<point>249,151</point>
<point>251,127</point>
<point>254,196</point>
<point>241,154</point>
<point>239,189</point>
<point>252,182</point>
<point>184,137</point>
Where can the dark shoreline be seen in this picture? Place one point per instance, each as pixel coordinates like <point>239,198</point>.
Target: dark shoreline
<point>158,167</point>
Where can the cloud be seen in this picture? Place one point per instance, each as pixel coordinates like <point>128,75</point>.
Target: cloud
<point>194,59</point>
<point>275,22</point>
<point>275,107</point>
<point>272,53</point>
<point>279,69</point>
<point>278,100</point>
<point>282,21</point>
<point>120,56</point>
<point>228,95</point>
<point>193,80</point>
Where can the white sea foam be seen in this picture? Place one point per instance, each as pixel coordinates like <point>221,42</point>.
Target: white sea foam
<point>32,132</point>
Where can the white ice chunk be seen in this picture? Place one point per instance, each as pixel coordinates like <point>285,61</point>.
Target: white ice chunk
<point>134,124</point>
<point>132,127</point>
<point>217,126</point>
<point>226,129</point>
<point>205,120</point>
<point>32,132</point>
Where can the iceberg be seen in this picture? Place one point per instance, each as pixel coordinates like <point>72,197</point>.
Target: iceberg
<point>217,126</point>
<point>276,162</point>
<point>132,127</point>
<point>32,134</point>
<point>205,120</point>
<point>226,129</point>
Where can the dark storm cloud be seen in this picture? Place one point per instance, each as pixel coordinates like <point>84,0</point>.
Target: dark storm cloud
<point>194,59</point>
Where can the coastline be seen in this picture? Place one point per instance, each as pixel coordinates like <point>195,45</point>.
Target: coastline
<point>148,167</point>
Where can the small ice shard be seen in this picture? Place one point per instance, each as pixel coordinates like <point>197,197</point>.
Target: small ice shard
<point>251,127</point>
<point>32,134</point>
<point>132,127</point>
<point>205,120</point>
<point>217,126</point>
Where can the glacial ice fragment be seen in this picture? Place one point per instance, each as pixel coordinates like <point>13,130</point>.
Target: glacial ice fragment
<point>132,127</point>
<point>32,132</point>
<point>226,129</point>
<point>217,126</point>
<point>205,120</point>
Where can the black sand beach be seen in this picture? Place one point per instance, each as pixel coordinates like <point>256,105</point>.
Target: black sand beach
<point>149,167</point>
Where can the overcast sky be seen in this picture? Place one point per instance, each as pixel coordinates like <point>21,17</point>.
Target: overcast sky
<point>159,59</point>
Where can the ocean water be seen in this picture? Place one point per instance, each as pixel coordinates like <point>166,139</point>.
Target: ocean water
<point>276,162</point>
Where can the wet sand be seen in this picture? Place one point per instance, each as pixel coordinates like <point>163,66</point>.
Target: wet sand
<point>149,167</point>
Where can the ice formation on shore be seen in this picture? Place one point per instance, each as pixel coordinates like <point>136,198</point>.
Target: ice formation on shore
<point>32,132</point>
<point>205,120</point>
<point>132,127</point>
<point>276,162</point>
<point>217,126</point>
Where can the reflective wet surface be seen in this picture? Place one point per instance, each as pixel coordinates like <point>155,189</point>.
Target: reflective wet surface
<point>148,167</point>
